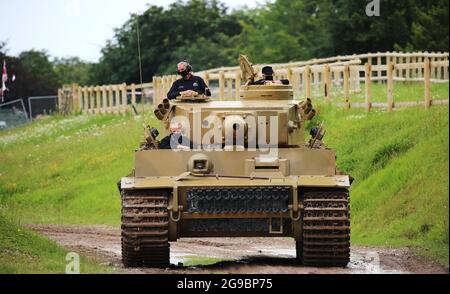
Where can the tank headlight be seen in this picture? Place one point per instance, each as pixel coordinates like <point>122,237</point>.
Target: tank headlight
<point>200,164</point>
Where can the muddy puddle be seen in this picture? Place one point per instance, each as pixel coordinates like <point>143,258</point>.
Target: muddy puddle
<point>234,255</point>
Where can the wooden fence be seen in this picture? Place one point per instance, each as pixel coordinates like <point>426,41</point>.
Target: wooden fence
<point>115,99</point>
<point>334,79</point>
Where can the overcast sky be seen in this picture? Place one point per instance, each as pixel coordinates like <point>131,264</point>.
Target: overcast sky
<point>71,27</point>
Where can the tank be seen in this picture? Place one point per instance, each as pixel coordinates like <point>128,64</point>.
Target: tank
<point>251,171</point>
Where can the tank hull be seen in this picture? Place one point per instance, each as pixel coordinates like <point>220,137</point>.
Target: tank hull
<point>300,196</point>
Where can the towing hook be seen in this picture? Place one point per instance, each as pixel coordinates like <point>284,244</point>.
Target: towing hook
<point>292,212</point>
<point>176,213</point>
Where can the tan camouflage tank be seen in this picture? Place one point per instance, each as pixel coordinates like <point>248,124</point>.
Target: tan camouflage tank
<point>251,173</point>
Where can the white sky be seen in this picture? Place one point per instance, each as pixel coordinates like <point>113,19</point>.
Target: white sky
<point>71,27</point>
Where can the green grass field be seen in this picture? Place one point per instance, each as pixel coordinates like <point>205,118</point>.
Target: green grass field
<point>400,163</point>
<point>64,170</point>
<point>23,251</point>
<point>403,92</point>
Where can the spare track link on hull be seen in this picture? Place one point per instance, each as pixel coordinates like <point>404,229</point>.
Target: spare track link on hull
<point>326,228</point>
<point>145,228</point>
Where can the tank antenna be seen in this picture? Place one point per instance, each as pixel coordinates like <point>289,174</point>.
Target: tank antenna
<point>140,61</point>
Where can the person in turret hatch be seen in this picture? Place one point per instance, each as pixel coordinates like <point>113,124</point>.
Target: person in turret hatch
<point>189,85</point>
<point>176,139</point>
<point>268,73</point>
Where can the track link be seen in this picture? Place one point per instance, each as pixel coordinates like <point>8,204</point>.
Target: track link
<point>145,228</point>
<point>326,228</point>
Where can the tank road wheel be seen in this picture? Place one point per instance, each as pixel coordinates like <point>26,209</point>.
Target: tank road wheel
<point>145,228</point>
<point>326,227</point>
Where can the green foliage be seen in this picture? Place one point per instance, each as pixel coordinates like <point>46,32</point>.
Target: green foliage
<point>208,35</point>
<point>287,31</point>
<point>38,75</point>
<point>197,30</point>
<point>72,70</point>
<point>70,167</point>
<point>430,26</point>
<point>34,73</point>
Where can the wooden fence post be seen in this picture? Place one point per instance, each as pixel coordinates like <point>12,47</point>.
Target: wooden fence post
<point>427,67</point>
<point>207,78</point>
<point>158,92</point>
<point>116,99</point>
<point>307,82</point>
<point>163,87</point>
<point>289,74</point>
<point>133,94</point>
<point>91,100</point>
<point>221,85</point>
<point>367,86</point>
<point>155,91</point>
<point>315,80</point>
<point>80,97</point>
<point>85,100</point>
<point>416,70</point>
<point>379,70</point>
<point>238,85</point>
<point>390,86</point>
<point>60,102</point>
<point>432,68</point>
<point>327,82</point>
<point>104,95</point>
<point>124,99</point>
<point>408,69</point>
<point>296,83</point>
<point>229,88</point>
<point>347,87</point>
<point>445,69</point>
<point>161,90</point>
<point>110,99</point>
<point>97,98</point>
<point>422,60</point>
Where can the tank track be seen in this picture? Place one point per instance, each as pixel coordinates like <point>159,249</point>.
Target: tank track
<point>326,228</point>
<point>145,228</point>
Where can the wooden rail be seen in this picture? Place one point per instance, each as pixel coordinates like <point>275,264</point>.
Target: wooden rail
<point>333,78</point>
<point>115,99</point>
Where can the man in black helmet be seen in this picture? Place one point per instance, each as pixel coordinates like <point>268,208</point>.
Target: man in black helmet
<point>189,85</point>
<point>267,73</point>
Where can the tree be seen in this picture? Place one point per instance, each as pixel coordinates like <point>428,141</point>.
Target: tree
<point>288,30</point>
<point>35,75</point>
<point>38,76</point>
<point>72,70</point>
<point>355,32</point>
<point>430,26</point>
<point>198,30</point>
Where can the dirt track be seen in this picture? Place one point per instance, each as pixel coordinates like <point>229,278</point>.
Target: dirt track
<point>239,255</point>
